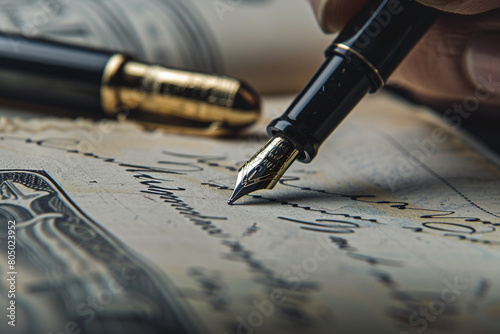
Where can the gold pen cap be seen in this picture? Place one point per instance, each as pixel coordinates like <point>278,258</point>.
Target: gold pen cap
<point>181,101</point>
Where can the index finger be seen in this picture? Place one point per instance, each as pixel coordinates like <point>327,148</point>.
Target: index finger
<point>334,14</point>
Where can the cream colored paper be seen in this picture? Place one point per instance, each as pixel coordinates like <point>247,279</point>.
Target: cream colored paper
<point>392,229</point>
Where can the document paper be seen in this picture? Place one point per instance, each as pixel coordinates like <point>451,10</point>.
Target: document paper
<point>391,229</point>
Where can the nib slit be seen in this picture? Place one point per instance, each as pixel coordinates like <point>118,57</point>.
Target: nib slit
<point>265,168</point>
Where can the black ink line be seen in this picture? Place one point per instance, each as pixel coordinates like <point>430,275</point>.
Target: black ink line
<point>323,230</point>
<point>211,161</point>
<point>339,228</point>
<point>308,208</point>
<point>372,260</point>
<point>441,214</point>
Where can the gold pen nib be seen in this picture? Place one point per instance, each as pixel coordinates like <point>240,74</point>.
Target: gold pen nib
<point>265,168</point>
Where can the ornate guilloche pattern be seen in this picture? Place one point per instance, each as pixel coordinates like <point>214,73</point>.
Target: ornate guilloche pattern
<point>75,275</point>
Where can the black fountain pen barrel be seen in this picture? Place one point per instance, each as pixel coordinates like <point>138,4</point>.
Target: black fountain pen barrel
<point>384,32</point>
<point>358,62</point>
<point>327,99</point>
<point>48,73</point>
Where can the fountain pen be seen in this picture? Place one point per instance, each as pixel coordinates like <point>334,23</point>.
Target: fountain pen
<point>107,83</point>
<point>358,62</point>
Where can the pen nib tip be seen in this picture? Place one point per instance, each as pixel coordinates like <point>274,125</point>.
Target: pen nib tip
<point>237,194</point>
<point>265,168</point>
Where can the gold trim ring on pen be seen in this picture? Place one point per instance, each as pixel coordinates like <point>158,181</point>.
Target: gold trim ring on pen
<point>110,99</point>
<point>363,59</point>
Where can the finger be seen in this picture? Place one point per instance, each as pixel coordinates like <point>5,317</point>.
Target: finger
<point>451,62</point>
<point>333,15</point>
<point>467,7</point>
<point>456,59</point>
<point>483,61</point>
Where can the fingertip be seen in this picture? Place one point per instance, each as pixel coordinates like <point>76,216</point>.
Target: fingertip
<point>317,5</point>
<point>319,10</point>
<point>333,15</point>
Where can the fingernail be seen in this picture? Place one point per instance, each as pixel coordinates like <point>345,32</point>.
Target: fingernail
<point>483,63</point>
<point>319,10</point>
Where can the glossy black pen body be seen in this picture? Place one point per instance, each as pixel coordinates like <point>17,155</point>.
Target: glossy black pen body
<point>358,62</point>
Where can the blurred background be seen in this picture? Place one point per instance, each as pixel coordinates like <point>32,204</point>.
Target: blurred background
<point>275,45</point>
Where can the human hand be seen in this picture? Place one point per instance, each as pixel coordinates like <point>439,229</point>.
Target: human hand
<point>457,60</point>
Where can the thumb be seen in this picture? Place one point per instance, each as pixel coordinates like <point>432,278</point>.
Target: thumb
<point>459,57</point>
